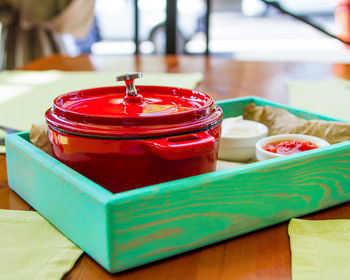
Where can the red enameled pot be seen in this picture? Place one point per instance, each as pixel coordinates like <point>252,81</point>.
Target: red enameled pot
<point>125,141</point>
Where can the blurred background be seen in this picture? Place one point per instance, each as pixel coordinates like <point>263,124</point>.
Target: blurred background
<point>244,29</point>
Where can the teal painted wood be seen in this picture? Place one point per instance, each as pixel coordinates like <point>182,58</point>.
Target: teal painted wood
<point>70,201</point>
<point>132,228</point>
<point>234,107</point>
<point>171,218</point>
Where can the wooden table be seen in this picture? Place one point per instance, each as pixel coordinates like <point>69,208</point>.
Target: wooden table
<point>263,254</point>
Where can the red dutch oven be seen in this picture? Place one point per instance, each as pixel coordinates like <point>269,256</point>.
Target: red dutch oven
<point>125,141</point>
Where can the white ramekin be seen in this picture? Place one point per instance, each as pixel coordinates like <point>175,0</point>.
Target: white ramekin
<point>240,148</point>
<point>262,154</point>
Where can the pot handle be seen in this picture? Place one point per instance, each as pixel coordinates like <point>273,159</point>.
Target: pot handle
<point>131,95</point>
<point>184,146</point>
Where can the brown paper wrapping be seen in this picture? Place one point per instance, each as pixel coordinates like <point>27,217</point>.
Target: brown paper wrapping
<point>280,121</point>
<point>38,137</point>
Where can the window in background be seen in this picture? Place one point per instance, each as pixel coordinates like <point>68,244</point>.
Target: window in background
<point>251,30</point>
<point>191,23</point>
<point>245,29</point>
<point>111,33</point>
<point>114,27</point>
<point>276,36</point>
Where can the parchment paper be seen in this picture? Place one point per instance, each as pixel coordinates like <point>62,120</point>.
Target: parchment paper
<point>280,121</point>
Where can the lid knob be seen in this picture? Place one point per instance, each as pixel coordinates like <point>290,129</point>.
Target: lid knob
<point>131,93</point>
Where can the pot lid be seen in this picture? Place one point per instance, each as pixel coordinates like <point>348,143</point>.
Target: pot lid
<point>141,112</point>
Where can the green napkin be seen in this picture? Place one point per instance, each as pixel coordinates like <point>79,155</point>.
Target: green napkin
<point>329,97</point>
<point>26,95</point>
<point>320,249</point>
<point>31,248</point>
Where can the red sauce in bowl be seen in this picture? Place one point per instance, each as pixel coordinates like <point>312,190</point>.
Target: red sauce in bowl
<point>289,147</point>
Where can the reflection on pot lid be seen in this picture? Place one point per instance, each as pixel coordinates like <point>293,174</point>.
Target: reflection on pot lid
<point>131,111</point>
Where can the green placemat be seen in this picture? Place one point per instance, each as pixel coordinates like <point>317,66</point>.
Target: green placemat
<point>31,248</point>
<point>320,249</point>
<point>26,95</point>
<point>329,97</point>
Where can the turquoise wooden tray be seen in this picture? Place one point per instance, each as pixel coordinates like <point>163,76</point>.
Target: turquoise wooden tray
<point>128,229</point>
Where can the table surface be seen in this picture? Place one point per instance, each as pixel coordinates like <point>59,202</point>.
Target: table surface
<point>263,254</point>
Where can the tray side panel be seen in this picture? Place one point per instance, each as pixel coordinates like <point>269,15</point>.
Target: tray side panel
<point>74,204</point>
<point>234,107</point>
<point>163,220</point>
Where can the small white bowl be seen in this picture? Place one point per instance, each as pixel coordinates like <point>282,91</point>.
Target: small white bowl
<point>239,147</point>
<point>262,154</point>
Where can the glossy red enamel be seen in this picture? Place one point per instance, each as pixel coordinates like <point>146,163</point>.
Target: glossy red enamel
<point>105,112</point>
<point>122,143</point>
